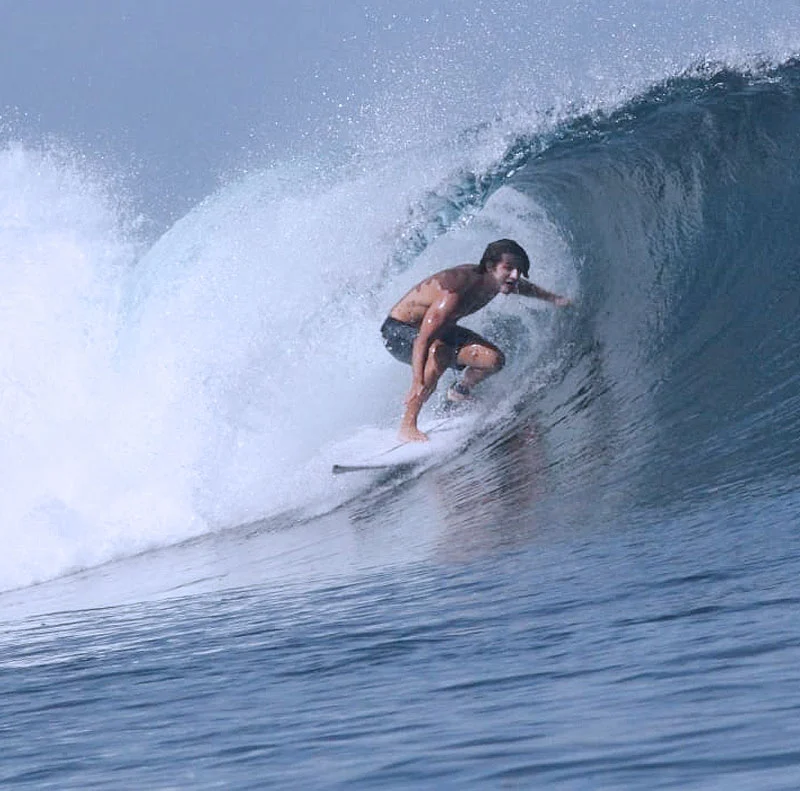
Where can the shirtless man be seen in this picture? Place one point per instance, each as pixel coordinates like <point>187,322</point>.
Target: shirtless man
<point>421,328</point>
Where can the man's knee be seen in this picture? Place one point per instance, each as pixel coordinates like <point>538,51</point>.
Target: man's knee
<point>485,358</point>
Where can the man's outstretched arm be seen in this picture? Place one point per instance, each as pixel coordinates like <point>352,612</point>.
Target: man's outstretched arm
<point>528,289</point>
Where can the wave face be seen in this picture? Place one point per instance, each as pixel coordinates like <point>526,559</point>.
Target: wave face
<point>680,211</point>
<point>207,383</point>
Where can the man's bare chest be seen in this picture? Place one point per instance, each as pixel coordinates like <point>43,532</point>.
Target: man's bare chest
<point>472,301</point>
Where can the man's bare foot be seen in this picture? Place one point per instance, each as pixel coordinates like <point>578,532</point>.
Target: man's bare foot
<point>412,434</point>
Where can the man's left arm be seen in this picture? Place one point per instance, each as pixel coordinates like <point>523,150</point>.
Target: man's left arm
<point>528,289</point>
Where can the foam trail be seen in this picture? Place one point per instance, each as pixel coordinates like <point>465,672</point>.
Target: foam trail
<point>150,401</point>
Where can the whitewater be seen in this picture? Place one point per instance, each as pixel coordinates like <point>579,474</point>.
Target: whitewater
<point>594,590</point>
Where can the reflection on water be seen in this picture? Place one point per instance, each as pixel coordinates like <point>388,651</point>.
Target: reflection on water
<point>488,504</point>
<point>478,503</point>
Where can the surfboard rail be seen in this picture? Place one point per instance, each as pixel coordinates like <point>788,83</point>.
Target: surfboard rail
<point>403,455</point>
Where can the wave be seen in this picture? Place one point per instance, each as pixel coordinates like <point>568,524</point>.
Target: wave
<point>679,208</point>
<point>675,381</point>
<point>211,377</point>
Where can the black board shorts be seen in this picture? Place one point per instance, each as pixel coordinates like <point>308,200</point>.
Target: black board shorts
<point>398,337</point>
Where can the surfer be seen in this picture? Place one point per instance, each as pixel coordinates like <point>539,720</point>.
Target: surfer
<point>422,330</point>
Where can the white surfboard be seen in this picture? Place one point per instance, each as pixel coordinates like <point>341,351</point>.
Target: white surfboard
<point>379,449</point>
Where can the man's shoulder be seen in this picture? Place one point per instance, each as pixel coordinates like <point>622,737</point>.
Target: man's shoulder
<point>457,278</point>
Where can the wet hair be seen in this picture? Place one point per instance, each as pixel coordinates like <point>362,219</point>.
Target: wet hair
<point>495,251</point>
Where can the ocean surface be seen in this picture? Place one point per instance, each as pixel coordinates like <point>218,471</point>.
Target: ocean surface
<point>595,589</point>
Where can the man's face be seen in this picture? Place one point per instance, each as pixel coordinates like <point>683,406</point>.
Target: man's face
<point>506,273</point>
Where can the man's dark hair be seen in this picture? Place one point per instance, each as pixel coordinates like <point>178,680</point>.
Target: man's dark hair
<point>495,251</point>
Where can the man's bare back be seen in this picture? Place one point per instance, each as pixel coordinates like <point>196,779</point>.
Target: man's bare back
<point>421,328</point>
